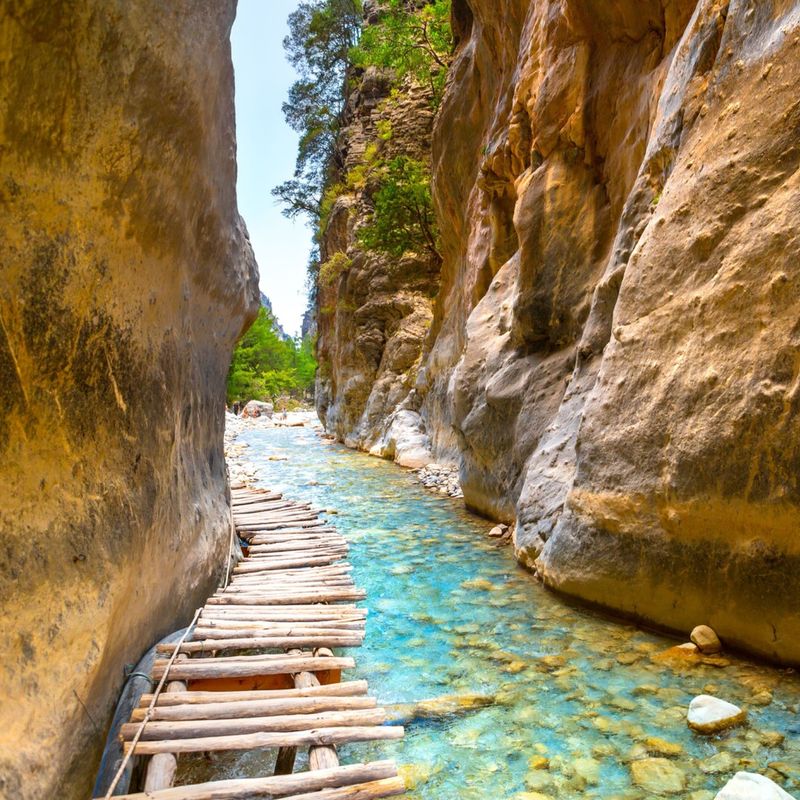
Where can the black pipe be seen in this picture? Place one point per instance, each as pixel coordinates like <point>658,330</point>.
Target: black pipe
<point>137,684</point>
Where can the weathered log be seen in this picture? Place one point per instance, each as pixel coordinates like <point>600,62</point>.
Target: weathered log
<point>264,598</point>
<point>258,741</point>
<point>238,630</point>
<point>277,786</point>
<point>264,566</point>
<point>257,708</point>
<point>344,689</point>
<point>317,640</point>
<point>238,668</point>
<point>199,728</point>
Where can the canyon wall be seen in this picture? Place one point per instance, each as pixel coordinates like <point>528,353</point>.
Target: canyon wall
<point>615,356</point>
<point>126,276</point>
<point>374,311</point>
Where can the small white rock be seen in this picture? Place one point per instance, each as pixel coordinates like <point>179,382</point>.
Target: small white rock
<point>751,786</point>
<point>709,714</point>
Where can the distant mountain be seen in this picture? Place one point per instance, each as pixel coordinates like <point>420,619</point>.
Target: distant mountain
<point>267,303</point>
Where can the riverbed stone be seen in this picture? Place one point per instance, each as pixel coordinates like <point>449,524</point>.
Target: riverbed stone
<point>658,775</point>
<point>718,763</point>
<point>752,786</point>
<point>661,747</point>
<point>709,714</point>
<point>706,640</point>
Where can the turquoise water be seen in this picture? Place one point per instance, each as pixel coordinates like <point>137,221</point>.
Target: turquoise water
<point>576,699</point>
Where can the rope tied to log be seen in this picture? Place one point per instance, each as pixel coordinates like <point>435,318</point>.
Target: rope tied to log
<point>152,705</point>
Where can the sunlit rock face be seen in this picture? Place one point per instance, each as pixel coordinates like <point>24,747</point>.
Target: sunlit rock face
<point>375,311</point>
<point>125,277</point>
<point>616,349</point>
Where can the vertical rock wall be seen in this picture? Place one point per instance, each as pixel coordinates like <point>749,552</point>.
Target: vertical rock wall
<point>125,277</point>
<point>374,311</point>
<point>615,357</point>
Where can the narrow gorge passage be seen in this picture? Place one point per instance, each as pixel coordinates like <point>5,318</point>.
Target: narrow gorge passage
<point>505,690</point>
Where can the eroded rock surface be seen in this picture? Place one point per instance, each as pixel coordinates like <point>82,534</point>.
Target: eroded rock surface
<point>374,311</point>
<point>125,277</point>
<point>616,344</point>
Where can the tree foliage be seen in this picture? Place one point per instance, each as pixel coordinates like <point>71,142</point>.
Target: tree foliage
<point>321,35</point>
<point>403,217</point>
<point>266,365</point>
<point>412,42</point>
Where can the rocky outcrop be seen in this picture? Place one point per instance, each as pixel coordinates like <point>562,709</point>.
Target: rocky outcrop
<point>126,277</point>
<point>374,311</point>
<point>613,355</point>
<point>615,346</point>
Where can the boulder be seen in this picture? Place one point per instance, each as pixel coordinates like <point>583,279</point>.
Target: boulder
<point>751,786</point>
<point>255,409</point>
<point>709,714</point>
<point>706,640</point>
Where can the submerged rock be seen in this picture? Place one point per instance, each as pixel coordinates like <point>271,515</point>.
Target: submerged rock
<point>751,786</point>
<point>709,714</point>
<point>658,775</point>
<point>439,707</point>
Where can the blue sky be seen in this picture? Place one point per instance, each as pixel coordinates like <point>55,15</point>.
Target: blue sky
<point>266,154</point>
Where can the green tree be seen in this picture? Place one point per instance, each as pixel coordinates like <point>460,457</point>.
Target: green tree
<point>412,42</point>
<point>321,35</point>
<point>265,364</point>
<point>403,219</point>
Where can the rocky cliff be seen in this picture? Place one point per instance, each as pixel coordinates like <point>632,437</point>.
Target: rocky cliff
<point>126,276</point>
<point>613,358</point>
<point>374,311</point>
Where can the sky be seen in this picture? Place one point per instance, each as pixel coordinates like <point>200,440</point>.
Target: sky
<point>266,154</point>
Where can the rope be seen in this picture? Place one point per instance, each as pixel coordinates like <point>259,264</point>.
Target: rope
<point>150,708</point>
<point>231,548</point>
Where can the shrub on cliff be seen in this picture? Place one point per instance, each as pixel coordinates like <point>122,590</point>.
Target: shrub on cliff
<point>403,219</point>
<point>413,42</point>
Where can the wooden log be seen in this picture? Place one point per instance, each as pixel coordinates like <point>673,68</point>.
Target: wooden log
<point>253,643</point>
<point>265,566</point>
<point>231,668</point>
<point>259,741</point>
<point>300,547</point>
<point>282,786</point>
<point>275,614</point>
<point>199,728</point>
<point>161,771</point>
<point>256,708</point>
<point>364,791</point>
<point>253,586</point>
<point>345,689</point>
<point>265,599</point>
<point>309,535</point>
<point>283,524</point>
<point>238,630</point>
<point>308,609</point>
<point>162,767</point>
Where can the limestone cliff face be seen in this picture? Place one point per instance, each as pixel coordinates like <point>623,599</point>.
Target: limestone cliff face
<point>615,349</point>
<point>373,311</point>
<point>125,277</point>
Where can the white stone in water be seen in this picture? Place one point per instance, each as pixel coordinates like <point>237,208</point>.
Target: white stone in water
<point>709,714</point>
<point>751,786</point>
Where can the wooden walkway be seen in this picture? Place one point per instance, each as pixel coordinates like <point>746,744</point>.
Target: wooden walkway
<point>257,670</point>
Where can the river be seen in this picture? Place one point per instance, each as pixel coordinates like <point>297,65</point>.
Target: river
<point>580,705</point>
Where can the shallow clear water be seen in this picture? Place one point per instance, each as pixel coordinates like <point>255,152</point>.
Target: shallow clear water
<point>577,697</point>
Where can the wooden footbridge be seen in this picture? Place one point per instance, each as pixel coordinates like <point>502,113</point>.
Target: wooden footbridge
<point>256,670</point>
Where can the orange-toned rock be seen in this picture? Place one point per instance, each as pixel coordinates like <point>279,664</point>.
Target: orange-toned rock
<point>125,278</point>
